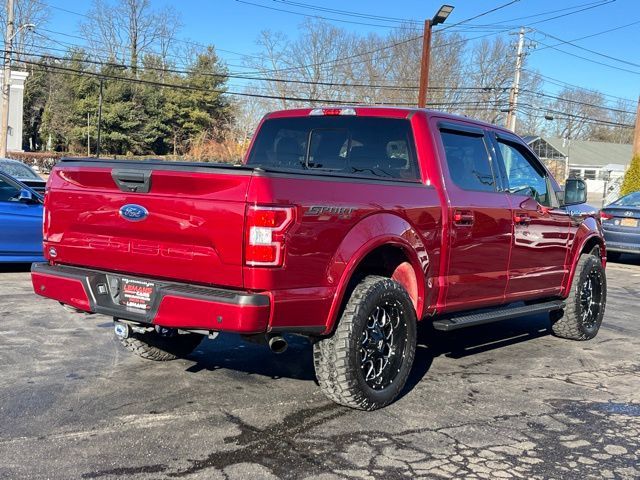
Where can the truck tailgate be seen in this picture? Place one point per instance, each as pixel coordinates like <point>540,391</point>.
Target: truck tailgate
<point>191,225</point>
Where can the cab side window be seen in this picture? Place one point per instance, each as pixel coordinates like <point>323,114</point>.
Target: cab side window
<point>468,161</point>
<point>524,177</point>
<point>8,193</point>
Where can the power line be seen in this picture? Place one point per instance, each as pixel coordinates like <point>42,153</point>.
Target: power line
<point>332,84</point>
<point>575,102</point>
<point>635,72</point>
<point>562,83</point>
<point>572,13</point>
<point>331,19</point>
<point>479,105</point>
<point>500,7</point>
<point>570,42</point>
<point>584,119</point>
<point>349,13</point>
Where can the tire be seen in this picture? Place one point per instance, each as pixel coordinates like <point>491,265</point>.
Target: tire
<point>366,362</point>
<point>589,287</point>
<point>613,256</point>
<point>161,348</point>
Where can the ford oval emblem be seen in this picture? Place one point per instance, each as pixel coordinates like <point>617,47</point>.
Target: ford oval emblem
<point>133,213</point>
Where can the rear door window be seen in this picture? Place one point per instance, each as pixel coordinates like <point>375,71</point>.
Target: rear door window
<point>360,146</point>
<point>468,160</point>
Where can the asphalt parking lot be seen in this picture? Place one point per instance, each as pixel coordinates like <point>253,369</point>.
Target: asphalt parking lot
<point>500,401</point>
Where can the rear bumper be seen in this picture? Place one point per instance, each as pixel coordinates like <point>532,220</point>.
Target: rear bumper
<point>621,247</point>
<point>622,241</point>
<point>175,304</point>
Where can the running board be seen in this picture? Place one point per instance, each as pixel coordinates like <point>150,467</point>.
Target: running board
<point>472,319</point>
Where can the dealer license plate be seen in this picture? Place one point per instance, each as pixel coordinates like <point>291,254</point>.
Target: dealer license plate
<point>629,222</point>
<point>136,294</point>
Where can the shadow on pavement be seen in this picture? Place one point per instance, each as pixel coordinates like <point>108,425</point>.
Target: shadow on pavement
<point>626,259</point>
<point>231,352</point>
<point>14,267</point>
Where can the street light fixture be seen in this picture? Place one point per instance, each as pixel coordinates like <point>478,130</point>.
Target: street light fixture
<point>442,14</point>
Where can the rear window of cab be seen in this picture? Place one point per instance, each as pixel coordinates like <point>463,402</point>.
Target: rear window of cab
<point>371,147</point>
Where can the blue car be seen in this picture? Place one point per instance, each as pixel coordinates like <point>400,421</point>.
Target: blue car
<point>20,222</point>
<point>621,225</point>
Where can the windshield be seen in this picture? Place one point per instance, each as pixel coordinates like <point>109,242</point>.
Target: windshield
<point>18,170</point>
<point>631,200</point>
<point>362,146</point>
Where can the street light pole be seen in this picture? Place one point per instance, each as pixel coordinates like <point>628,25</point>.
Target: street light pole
<point>424,64</point>
<point>439,17</point>
<point>6,80</point>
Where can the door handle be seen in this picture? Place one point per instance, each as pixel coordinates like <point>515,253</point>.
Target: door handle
<point>463,218</point>
<point>522,219</point>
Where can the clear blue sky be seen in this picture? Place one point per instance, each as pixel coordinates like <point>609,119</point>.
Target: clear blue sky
<point>232,25</point>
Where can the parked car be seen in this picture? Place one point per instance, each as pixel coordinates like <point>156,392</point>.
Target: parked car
<point>347,225</point>
<point>23,173</point>
<point>20,222</point>
<point>621,225</point>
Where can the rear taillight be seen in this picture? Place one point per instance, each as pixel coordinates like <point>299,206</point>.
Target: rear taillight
<point>266,228</point>
<point>605,216</point>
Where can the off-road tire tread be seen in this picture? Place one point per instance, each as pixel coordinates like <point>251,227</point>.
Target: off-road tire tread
<point>336,378</point>
<point>566,323</point>
<point>152,346</point>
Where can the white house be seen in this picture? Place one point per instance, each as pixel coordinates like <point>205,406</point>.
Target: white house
<point>16,97</point>
<point>600,164</point>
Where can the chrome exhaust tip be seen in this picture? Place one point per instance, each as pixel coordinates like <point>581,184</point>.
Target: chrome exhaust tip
<point>278,344</point>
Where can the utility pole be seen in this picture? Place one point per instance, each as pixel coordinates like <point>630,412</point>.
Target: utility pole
<point>99,119</point>
<point>513,95</point>
<point>88,137</point>
<point>636,132</point>
<point>6,80</point>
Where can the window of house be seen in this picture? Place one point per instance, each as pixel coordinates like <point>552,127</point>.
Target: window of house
<point>589,174</point>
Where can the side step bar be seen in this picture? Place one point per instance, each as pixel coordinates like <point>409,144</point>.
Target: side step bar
<point>496,315</point>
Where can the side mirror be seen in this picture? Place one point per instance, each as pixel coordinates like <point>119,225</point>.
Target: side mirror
<point>575,192</point>
<point>26,196</point>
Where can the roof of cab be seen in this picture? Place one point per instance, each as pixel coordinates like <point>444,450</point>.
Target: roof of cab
<point>384,111</point>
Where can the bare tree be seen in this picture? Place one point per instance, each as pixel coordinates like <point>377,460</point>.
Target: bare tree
<point>27,40</point>
<point>576,111</point>
<point>127,29</point>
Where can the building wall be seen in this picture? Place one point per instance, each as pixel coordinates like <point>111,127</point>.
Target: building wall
<point>16,100</point>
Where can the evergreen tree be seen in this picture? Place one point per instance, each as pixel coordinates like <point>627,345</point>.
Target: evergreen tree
<point>631,181</point>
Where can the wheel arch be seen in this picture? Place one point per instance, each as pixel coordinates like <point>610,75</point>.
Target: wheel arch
<point>395,251</point>
<point>584,244</point>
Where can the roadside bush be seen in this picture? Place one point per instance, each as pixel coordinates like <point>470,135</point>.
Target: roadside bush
<point>43,160</point>
<point>224,151</point>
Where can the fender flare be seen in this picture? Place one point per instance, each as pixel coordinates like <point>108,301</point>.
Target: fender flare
<point>389,229</point>
<point>593,232</point>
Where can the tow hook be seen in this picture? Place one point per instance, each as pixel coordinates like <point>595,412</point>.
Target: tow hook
<point>121,330</point>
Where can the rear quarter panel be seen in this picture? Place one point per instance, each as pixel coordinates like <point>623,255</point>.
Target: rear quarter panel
<point>323,250</point>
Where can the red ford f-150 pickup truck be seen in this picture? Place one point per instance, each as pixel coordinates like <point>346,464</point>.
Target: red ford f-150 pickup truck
<point>347,225</point>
